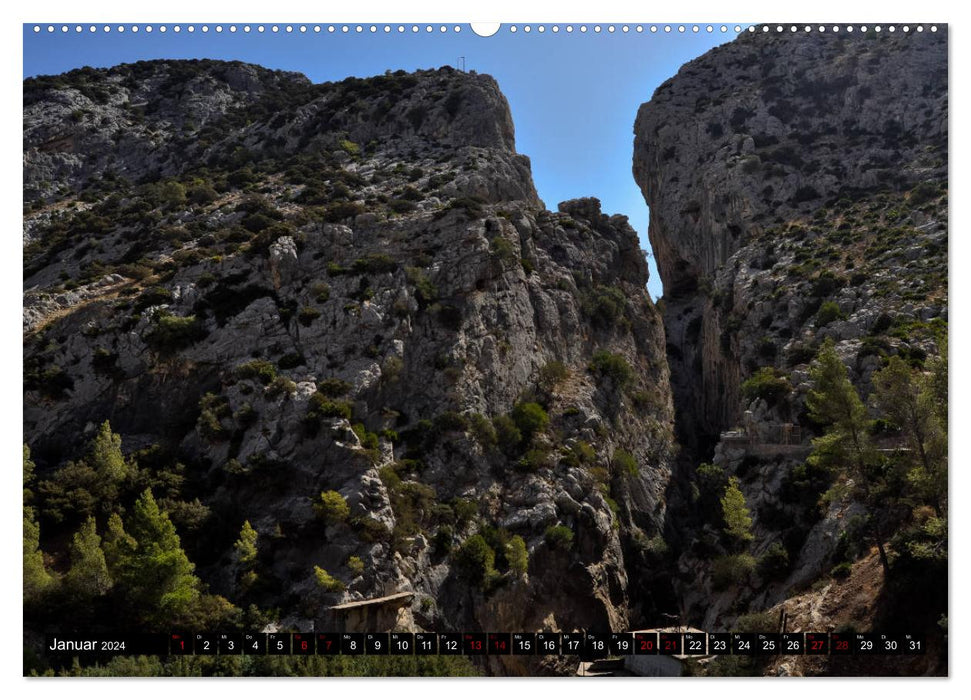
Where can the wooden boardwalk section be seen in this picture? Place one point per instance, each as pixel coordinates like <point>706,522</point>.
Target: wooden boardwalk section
<point>401,598</point>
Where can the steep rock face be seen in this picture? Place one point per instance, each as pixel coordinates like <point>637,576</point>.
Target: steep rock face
<point>758,138</point>
<point>798,192</point>
<point>156,118</point>
<point>342,294</point>
<point>132,120</point>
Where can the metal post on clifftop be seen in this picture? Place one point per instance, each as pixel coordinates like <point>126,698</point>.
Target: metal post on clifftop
<point>461,63</point>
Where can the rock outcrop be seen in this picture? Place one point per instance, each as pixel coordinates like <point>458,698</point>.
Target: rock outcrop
<point>775,159</point>
<point>341,313</point>
<point>348,288</point>
<point>797,190</point>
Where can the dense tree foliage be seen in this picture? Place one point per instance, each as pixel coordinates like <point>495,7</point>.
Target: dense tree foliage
<point>158,574</point>
<point>106,458</point>
<point>122,566</point>
<point>304,666</point>
<point>37,580</point>
<point>895,484</point>
<point>834,402</point>
<point>907,398</point>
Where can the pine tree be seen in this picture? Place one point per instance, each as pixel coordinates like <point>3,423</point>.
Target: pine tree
<point>87,486</point>
<point>938,382</point>
<point>846,446</point>
<point>833,401</point>
<point>517,555</point>
<point>159,574</point>
<point>88,576</point>
<point>476,559</point>
<point>37,580</point>
<point>245,546</point>
<point>906,397</point>
<point>738,521</point>
<point>332,507</point>
<point>106,457</point>
<point>28,476</point>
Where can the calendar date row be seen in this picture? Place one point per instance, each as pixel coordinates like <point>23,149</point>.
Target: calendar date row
<point>589,645</point>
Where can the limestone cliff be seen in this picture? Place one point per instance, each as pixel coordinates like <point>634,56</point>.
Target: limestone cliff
<point>778,160</point>
<point>293,289</point>
<point>797,186</point>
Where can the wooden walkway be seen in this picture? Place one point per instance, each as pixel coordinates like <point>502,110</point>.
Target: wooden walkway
<point>400,598</point>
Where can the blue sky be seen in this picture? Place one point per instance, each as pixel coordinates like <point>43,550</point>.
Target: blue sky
<point>574,96</point>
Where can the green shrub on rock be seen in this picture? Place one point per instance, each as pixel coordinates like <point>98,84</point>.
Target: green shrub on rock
<point>767,383</point>
<point>552,375</point>
<point>733,569</point>
<point>508,435</point>
<point>613,367</point>
<point>530,419</point>
<point>502,250</point>
<point>327,582</point>
<point>331,507</point>
<point>605,305</point>
<point>320,407</point>
<point>281,386</point>
<point>333,388</point>
<point>212,409</point>
<point>774,563</point>
<point>559,537</point>
<point>829,311</point>
<point>475,559</point>
<point>263,371</point>
<point>516,555</point>
<point>624,463</point>
<point>356,565</point>
<point>425,292</point>
<point>482,430</point>
<point>307,316</point>
<point>171,333</point>
<point>535,459</point>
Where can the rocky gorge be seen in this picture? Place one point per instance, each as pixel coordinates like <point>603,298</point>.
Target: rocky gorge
<point>334,332</point>
<point>797,188</point>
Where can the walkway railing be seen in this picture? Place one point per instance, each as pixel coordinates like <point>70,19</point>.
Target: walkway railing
<point>765,434</point>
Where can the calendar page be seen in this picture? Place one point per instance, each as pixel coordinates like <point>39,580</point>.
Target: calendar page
<point>438,349</point>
